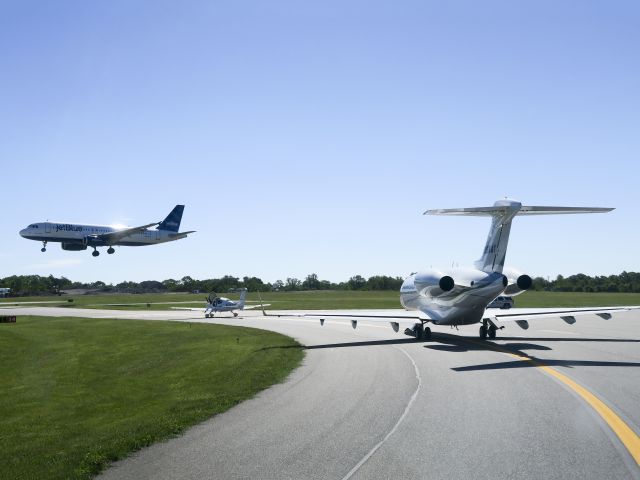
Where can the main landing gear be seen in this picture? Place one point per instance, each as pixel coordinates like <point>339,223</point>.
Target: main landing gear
<point>419,331</point>
<point>44,246</point>
<point>111,250</point>
<point>95,252</point>
<point>488,329</point>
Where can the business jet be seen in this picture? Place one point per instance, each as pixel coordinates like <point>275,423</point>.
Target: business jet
<point>216,304</point>
<point>76,237</point>
<point>460,296</point>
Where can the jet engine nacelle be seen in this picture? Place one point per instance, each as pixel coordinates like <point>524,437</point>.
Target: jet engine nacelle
<point>522,283</point>
<point>433,283</point>
<point>75,247</point>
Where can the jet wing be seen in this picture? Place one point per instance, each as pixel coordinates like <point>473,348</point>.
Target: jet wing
<point>522,316</point>
<point>113,237</point>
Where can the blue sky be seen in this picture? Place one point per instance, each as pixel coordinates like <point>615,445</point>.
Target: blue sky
<point>309,137</point>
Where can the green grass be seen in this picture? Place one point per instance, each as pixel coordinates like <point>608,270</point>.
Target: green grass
<point>576,299</point>
<point>322,300</point>
<point>76,394</point>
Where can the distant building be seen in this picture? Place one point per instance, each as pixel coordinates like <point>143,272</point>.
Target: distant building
<point>4,292</point>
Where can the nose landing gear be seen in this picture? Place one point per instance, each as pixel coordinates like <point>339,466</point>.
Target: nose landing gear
<point>44,246</point>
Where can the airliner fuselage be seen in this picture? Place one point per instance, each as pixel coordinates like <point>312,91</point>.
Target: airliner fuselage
<point>75,237</point>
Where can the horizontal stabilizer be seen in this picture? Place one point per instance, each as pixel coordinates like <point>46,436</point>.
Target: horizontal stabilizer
<point>502,213</point>
<point>524,210</point>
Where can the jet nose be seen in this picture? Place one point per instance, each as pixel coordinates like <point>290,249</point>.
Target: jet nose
<point>23,232</point>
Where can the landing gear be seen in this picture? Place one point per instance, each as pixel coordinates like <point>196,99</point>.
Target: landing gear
<point>426,335</point>
<point>492,332</point>
<point>421,332</point>
<point>483,332</point>
<point>44,246</point>
<point>95,252</point>
<point>111,250</point>
<point>488,329</point>
<point>235,314</point>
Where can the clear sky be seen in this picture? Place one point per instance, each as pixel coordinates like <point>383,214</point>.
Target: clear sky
<point>309,137</point>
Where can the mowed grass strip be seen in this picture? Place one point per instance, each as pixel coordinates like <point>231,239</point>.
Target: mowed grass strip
<point>76,394</point>
<point>318,300</point>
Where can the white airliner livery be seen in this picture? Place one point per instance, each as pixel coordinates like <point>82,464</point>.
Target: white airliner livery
<point>460,296</point>
<point>77,237</point>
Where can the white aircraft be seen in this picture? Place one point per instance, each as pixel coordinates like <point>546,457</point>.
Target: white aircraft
<point>217,304</point>
<point>77,237</point>
<point>460,296</point>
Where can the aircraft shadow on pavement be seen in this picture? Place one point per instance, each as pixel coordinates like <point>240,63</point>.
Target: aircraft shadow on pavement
<point>453,343</point>
<point>370,343</point>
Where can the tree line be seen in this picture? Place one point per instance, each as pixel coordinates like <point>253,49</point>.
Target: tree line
<point>22,285</point>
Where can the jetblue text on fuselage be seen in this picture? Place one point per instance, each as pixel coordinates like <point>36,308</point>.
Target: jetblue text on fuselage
<point>68,228</point>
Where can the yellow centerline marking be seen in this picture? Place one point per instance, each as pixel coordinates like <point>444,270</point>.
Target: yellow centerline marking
<point>625,434</point>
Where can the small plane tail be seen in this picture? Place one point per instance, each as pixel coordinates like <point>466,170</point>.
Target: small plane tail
<point>502,213</point>
<point>243,295</point>
<point>172,222</point>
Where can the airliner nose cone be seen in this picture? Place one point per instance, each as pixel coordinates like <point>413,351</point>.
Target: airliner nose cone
<point>23,232</point>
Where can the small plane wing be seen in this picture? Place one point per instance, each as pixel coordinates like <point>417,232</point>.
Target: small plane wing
<point>113,237</point>
<point>251,307</point>
<point>202,309</point>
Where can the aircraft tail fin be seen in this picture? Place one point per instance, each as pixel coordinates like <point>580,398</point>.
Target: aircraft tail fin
<point>243,295</point>
<point>172,222</point>
<point>502,213</point>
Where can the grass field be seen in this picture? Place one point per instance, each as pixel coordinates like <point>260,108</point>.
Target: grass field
<point>325,300</point>
<point>76,394</point>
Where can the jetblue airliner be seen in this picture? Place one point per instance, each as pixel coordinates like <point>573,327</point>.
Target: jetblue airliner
<point>77,237</point>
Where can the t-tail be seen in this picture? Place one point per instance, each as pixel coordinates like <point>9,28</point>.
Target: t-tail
<point>172,222</point>
<point>502,213</point>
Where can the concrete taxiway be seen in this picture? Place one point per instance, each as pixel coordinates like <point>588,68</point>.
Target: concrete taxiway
<point>371,403</point>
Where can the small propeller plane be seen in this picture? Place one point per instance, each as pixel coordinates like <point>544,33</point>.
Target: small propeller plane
<point>216,304</point>
<point>460,296</point>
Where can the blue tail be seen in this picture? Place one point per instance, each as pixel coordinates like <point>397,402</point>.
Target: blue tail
<point>172,222</point>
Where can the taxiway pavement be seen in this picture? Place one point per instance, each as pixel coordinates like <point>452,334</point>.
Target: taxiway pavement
<point>374,404</point>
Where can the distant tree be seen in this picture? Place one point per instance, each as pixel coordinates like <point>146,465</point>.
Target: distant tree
<point>170,284</point>
<point>292,284</point>
<point>254,284</point>
<point>357,282</point>
<point>311,282</point>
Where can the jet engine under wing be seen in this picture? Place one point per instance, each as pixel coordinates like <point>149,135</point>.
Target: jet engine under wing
<point>114,237</point>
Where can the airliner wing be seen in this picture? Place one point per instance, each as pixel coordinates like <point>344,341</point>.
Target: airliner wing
<point>120,234</point>
<point>523,315</point>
